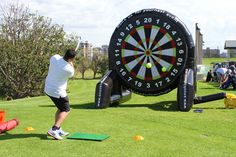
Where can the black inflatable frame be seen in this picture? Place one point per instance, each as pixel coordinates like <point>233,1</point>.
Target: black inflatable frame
<point>156,37</point>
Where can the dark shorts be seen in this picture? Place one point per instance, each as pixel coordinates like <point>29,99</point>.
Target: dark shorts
<point>61,103</point>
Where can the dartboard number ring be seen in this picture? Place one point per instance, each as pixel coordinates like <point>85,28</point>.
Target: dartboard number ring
<point>148,52</point>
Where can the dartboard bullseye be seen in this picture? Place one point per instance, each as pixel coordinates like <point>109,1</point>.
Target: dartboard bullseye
<point>148,51</point>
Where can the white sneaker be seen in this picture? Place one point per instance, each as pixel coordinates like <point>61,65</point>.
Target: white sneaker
<point>54,134</point>
<point>62,133</point>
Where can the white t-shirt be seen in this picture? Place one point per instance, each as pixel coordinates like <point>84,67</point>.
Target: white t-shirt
<point>221,70</point>
<point>58,74</point>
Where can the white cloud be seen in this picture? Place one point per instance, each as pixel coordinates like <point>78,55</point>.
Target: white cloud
<point>96,20</point>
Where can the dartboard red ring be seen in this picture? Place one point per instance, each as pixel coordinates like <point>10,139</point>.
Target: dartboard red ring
<point>148,51</point>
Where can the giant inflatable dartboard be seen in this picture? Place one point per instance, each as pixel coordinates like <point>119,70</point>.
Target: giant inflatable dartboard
<point>150,53</point>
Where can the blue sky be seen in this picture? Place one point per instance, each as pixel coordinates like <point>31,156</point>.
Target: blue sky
<point>95,20</point>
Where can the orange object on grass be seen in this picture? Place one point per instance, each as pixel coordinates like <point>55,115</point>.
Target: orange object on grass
<point>138,138</point>
<point>2,116</point>
<point>29,128</point>
<point>9,125</point>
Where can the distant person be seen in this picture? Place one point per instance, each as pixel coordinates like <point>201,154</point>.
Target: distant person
<point>232,68</point>
<point>209,76</point>
<point>60,70</point>
<point>220,72</point>
<point>215,67</point>
<point>227,80</point>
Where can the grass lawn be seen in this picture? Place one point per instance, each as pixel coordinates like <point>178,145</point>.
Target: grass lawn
<point>167,132</point>
<point>208,61</point>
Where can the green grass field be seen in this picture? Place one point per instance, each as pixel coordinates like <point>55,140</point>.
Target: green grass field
<point>208,61</point>
<point>167,132</point>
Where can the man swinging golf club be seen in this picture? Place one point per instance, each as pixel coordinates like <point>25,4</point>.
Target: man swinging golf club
<point>60,70</point>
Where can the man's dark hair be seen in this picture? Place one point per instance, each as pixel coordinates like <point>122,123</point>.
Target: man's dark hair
<point>69,54</point>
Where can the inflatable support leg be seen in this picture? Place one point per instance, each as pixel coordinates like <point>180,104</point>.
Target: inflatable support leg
<point>103,91</point>
<point>186,91</point>
<point>110,92</point>
<point>212,97</point>
<point>124,96</point>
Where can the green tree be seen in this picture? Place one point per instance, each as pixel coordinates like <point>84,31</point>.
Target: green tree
<point>27,41</point>
<point>95,63</point>
<point>82,64</point>
<point>103,64</point>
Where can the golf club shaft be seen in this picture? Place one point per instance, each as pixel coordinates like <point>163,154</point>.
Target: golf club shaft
<point>77,47</point>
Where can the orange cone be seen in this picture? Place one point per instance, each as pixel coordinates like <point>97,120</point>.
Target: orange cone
<point>2,116</point>
<point>138,138</point>
<point>29,129</point>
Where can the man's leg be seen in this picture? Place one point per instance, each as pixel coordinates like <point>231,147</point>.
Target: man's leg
<point>60,117</point>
